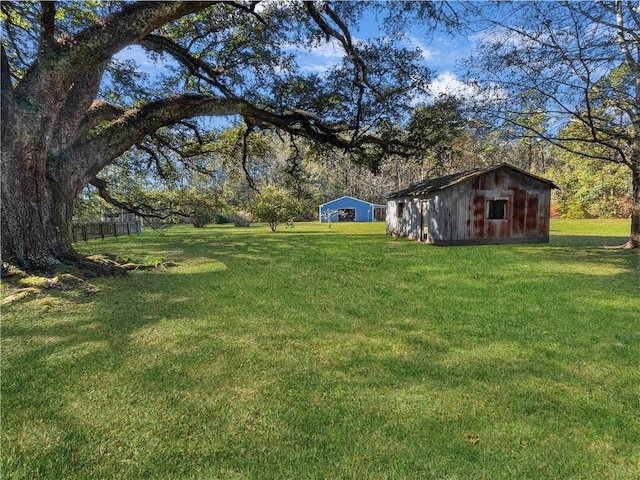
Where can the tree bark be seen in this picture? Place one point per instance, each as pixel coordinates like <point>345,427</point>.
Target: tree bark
<point>36,210</point>
<point>634,238</point>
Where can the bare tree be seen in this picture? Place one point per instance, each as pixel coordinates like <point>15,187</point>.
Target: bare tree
<point>329,215</point>
<point>578,64</point>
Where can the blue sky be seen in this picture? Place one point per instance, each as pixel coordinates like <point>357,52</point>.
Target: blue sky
<point>440,51</point>
<point>441,54</point>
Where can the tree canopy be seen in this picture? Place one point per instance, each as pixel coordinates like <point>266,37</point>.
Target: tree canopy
<point>275,207</point>
<point>71,106</point>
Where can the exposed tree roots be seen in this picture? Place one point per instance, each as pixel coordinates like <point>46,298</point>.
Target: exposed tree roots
<point>69,277</point>
<point>630,245</point>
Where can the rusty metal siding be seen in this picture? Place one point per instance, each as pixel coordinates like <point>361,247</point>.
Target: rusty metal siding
<point>527,208</point>
<point>532,220</point>
<point>458,214</point>
<point>478,215</point>
<point>518,212</point>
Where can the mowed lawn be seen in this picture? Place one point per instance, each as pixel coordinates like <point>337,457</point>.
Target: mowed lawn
<point>336,353</point>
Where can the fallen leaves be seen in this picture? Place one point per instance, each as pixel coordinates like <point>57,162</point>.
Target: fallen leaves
<point>473,438</point>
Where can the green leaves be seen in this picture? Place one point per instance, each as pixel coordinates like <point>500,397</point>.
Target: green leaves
<point>275,207</point>
<point>589,187</point>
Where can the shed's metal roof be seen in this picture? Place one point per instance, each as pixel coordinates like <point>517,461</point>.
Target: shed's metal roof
<point>440,183</point>
<point>346,197</point>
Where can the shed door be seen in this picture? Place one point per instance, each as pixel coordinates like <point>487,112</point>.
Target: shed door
<point>519,209</point>
<point>532,217</point>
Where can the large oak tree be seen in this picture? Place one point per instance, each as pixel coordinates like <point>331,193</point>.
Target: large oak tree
<point>70,107</point>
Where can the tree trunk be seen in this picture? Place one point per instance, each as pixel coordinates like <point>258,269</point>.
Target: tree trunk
<point>36,213</point>
<point>634,239</point>
<point>36,209</point>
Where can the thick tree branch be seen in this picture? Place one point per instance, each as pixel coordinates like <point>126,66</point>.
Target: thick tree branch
<point>98,43</point>
<point>47,31</point>
<point>133,125</point>
<point>134,22</point>
<point>99,111</point>
<point>79,100</point>
<point>195,66</point>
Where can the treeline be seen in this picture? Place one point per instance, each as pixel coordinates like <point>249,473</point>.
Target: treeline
<point>217,179</point>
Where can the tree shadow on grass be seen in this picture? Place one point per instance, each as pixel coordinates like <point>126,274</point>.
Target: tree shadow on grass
<point>59,365</point>
<point>150,386</point>
<point>586,240</point>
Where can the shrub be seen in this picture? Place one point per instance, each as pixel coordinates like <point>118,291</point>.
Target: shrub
<point>274,206</point>
<point>239,219</point>
<point>221,219</point>
<point>200,220</point>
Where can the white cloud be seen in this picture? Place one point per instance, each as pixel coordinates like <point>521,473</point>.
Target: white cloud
<point>320,58</point>
<point>426,53</point>
<point>446,83</point>
<point>139,56</point>
<point>329,50</point>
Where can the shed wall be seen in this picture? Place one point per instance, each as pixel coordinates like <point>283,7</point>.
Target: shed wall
<point>405,220</point>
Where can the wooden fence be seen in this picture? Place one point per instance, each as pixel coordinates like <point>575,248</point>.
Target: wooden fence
<point>101,230</point>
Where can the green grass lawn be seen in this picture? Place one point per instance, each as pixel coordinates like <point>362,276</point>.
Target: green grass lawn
<point>335,353</point>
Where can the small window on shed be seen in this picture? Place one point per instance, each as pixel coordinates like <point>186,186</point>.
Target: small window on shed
<point>497,209</point>
<point>400,209</point>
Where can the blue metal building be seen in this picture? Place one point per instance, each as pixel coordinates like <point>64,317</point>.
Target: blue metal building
<point>349,209</point>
